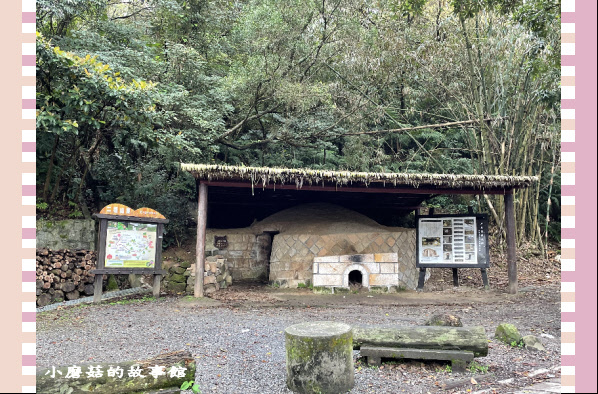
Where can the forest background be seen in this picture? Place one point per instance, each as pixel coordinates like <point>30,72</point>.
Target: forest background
<point>128,89</point>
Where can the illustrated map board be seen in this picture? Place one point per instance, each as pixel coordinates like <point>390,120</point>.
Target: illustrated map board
<point>452,241</point>
<point>130,241</point>
<point>130,244</point>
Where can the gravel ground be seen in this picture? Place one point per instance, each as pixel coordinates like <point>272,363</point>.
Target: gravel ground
<point>239,343</point>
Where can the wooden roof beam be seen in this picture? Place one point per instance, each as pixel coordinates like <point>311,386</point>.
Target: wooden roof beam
<point>381,190</point>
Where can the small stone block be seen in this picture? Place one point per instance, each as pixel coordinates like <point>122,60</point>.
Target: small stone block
<point>328,280</point>
<point>357,258</point>
<point>384,280</point>
<point>331,268</point>
<point>386,257</point>
<point>372,268</point>
<point>326,259</point>
<point>459,365</point>
<point>388,268</point>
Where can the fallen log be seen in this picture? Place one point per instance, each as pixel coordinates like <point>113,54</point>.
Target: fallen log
<point>54,380</point>
<point>429,337</point>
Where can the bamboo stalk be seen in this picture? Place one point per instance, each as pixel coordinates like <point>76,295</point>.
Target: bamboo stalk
<point>549,201</point>
<point>495,216</point>
<point>431,126</point>
<point>536,224</point>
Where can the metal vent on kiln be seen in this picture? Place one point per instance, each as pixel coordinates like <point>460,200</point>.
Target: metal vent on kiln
<point>220,242</point>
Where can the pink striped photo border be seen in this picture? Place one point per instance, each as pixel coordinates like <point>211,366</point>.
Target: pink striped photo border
<point>28,197</point>
<point>578,289</point>
<point>567,198</point>
<point>578,188</point>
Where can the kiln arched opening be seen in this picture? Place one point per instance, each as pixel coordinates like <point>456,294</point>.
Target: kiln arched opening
<point>355,278</point>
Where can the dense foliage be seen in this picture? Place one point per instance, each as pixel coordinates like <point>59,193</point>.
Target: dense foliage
<point>127,89</point>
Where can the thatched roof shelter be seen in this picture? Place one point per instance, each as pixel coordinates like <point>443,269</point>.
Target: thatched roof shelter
<point>378,193</point>
<point>300,177</point>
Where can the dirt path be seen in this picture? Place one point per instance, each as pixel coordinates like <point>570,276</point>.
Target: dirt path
<point>253,294</point>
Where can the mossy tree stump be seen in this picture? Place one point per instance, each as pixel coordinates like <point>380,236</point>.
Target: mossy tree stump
<point>319,357</point>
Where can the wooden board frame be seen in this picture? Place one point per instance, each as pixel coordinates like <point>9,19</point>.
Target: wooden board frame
<point>101,269</point>
<point>482,224</point>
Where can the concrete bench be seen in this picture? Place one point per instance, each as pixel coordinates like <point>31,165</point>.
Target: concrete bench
<point>459,359</point>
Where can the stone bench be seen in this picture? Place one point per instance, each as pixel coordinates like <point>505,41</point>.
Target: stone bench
<point>459,345</point>
<point>459,359</point>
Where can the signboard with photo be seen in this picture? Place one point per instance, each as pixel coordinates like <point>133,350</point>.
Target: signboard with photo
<point>452,241</point>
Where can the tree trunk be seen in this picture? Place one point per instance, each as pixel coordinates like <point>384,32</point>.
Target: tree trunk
<point>50,168</point>
<point>64,167</point>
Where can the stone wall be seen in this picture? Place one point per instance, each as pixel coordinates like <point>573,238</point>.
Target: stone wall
<point>293,254</point>
<point>66,234</point>
<point>181,276</point>
<point>247,254</point>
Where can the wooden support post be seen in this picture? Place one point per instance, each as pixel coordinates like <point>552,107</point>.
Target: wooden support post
<point>485,278</point>
<point>431,211</point>
<point>200,246</point>
<point>422,279</point>
<point>455,277</point>
<point>156,287</point>
<point>511,241</point>
<point>97,288</point>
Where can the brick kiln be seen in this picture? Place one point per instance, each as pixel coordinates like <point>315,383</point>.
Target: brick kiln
<point>295,257</point>
<point>301,237</point>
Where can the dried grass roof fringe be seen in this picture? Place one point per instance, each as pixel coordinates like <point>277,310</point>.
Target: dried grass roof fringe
<point>301,176</point>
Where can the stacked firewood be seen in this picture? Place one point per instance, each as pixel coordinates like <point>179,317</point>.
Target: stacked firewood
<point>63,274</point>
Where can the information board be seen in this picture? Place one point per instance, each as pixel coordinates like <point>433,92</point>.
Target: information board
<point>130,244</point>
<point>452,241</point>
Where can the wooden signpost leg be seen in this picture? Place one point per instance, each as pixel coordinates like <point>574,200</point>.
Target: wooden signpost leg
<point>422,278</point>
<point>97,288</point>
<point>455,277</point>
<point>156,287</point>
<point>485,278</point>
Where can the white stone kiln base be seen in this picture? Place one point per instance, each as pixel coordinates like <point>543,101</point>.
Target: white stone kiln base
<point>377,270</point>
